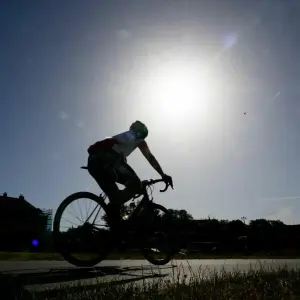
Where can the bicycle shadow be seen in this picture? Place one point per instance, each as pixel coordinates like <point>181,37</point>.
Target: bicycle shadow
<point>47,284</point>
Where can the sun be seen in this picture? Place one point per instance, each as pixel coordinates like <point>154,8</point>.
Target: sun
<point>181,94</point>
<point>178,93</point>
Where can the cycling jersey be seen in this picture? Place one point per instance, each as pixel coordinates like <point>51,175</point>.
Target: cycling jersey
<point>124,143</point>
<point>128,142</point>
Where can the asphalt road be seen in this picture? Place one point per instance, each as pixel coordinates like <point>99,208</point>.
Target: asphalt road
<point>41,275</point>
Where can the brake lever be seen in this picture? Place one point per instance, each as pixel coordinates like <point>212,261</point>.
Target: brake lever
<point>166,187</point>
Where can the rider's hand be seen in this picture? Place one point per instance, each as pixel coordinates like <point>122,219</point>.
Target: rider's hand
<point>168,180</point>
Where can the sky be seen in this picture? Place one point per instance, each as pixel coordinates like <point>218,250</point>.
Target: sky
<point>74,72</point>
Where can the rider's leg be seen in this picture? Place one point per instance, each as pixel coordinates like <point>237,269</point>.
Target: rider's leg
<point>106,171</point>
<point>128,177</point>
<point>104,176</point>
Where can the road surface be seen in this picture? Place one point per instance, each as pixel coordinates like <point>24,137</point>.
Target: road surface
<point>40,275</point>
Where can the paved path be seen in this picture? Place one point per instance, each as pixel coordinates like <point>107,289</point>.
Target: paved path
<point>41,275</point>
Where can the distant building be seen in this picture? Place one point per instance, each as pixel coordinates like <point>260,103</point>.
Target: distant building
<point>21,222</point>
<point>48,213</point>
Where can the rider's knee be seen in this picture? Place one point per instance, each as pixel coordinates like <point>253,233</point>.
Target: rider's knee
<point>135,184</point>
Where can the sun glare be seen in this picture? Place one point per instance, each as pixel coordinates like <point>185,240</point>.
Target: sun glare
<point>179,94</point>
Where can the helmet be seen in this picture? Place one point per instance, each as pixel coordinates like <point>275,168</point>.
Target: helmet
<point>140,129</point>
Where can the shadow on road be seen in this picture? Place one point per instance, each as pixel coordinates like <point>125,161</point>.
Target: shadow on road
<point>15,284</point>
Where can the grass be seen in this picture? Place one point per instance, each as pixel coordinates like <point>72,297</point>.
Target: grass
<point>26,256</point>
<point>265,283</point>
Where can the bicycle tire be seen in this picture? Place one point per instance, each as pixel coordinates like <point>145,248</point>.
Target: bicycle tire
<point>172,242</point>
<point>63,251</point>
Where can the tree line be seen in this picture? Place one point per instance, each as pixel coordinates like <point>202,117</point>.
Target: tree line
<point>271,237</point>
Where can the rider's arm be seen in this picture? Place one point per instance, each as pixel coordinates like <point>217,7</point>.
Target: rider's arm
<point>150,157</point>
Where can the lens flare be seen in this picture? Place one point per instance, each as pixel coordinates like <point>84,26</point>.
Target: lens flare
<point>35,243</point>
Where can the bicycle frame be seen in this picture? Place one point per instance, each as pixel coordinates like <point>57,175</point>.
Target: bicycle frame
<point>143,203</point>
<point>145,200</point>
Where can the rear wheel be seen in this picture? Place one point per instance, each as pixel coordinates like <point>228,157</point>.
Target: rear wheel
<point>90,242</point>
<point>159,247</point>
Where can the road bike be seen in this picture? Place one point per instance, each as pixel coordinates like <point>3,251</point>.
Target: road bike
<point>144,228</point>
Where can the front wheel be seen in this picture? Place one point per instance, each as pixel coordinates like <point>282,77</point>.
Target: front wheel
<point>89,243</point>
<point>160,245</point>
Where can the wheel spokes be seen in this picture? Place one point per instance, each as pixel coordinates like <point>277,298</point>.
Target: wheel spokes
<point>82,234</point>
